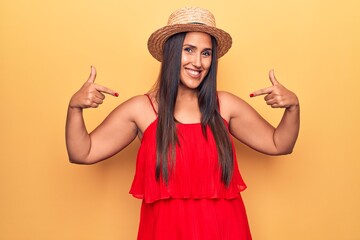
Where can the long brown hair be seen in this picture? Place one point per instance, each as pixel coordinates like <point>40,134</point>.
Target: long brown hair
<point>167,87</point>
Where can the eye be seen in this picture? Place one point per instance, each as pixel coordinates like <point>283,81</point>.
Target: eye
<point>207,53</point>
<point>188,49</point>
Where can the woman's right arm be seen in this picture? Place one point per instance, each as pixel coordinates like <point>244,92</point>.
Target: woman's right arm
<point>112,135</point>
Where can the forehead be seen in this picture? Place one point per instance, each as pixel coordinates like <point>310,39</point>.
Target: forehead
<point>198,39</point>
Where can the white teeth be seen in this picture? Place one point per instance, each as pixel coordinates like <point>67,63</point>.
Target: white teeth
<point>192,72</point>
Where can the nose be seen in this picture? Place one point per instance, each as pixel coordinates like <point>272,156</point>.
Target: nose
<point>197,61</point>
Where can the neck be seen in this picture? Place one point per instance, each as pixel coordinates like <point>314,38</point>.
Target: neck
<point>187,93</point>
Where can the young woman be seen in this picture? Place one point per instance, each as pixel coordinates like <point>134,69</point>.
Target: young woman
<point>186,173</point>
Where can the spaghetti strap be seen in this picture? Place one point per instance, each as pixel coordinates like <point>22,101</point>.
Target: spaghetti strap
<point>218,102</point>
<point>152,105</point>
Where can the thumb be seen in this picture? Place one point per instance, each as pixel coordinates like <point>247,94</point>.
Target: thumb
<point>273,78</point>
<point>92,75</point>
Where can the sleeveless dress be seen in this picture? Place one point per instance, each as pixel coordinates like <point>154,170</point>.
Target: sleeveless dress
<point>195,205</point>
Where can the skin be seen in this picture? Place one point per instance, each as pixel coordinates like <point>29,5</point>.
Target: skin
<point>132,117</point>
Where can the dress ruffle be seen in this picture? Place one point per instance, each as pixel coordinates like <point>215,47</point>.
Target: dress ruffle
<point>196,174</point>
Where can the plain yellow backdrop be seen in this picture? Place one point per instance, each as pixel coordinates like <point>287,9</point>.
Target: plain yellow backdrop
<point>47,47</point>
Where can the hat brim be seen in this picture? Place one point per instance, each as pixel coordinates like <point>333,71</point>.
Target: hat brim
<point>157,40</point>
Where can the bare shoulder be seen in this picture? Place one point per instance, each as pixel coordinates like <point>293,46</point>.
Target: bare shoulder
<point>231,105</point>
<point>137,109</point>
<point>226,97</point>
<point>135,102</point>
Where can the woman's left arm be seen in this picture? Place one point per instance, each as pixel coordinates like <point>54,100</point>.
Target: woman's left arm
<point>249,127</point>
<point>277,96</point>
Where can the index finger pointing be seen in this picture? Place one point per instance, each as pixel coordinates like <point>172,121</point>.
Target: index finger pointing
<point>261,92</point>
<point>106,90</point>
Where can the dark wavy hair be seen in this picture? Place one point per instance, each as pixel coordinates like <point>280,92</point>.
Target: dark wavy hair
<point>167,88</point>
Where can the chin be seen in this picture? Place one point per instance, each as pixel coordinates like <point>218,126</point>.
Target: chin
<point>193,86</point>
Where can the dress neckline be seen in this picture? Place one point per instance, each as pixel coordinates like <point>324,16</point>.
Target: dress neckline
<point>181,123</point>
<point>178,123</point>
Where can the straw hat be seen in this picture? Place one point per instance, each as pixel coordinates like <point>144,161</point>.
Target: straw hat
<point>189,19</point>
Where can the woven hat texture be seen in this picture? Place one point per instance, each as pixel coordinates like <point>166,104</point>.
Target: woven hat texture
<point>189,19</point>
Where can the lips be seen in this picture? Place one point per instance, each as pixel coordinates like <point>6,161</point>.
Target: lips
<point>193,73</point>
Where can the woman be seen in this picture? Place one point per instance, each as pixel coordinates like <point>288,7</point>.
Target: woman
<point>186,172</point>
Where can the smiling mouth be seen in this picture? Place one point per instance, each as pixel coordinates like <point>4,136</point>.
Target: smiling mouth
<point>193,73</point>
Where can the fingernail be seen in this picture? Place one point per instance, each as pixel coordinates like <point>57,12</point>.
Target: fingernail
<point>251,94</point>
<point>116,94</point>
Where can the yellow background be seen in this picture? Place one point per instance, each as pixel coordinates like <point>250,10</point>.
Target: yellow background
<point>47,47</point>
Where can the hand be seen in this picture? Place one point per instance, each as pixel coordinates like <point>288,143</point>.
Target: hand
<point>277,96</point>
<point>90,95</point>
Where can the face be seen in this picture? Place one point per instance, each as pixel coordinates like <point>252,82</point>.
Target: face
<point>195,59</point>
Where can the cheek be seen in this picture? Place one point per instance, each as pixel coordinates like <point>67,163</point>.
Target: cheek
<point>207,64</point>
<point>184,59</point>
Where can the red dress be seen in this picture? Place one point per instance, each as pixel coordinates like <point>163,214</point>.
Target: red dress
<point>195,205</point>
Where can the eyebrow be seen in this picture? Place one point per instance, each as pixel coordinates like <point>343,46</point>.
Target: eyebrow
<point>192,46</point>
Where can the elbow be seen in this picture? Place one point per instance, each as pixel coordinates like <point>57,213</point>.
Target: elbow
<point>285,151</point>
<point>278,151</point>
<point>76,161</point>
<point>80,161</point>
